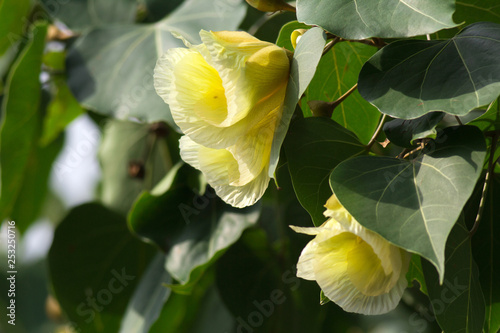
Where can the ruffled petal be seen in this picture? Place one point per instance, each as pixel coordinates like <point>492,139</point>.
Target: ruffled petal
<point>217,165</point>
<point>331,270</point>
<point>246,195</point>
<point>251,71</point>
<point>305,266</point>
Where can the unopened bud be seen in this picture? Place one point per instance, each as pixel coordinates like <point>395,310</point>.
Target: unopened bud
<point>296,35</point>
<point>270,5</point>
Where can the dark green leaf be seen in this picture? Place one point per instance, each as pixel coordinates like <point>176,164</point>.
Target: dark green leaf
<point>158,216</point>
<point>270,30</point>
<point>211,227</point>
<point>95,264</point>
<point>361,19</point>
<point>148,299</point>
<point>415,273</point>
<point>410,78</point>
<point>304,63</point>
<point>403,132</point>
<point>486,251</point>
<point>157,9</point>
<point>338,72</point>
<point>81,14</point>
<point>470,11</point>
<point>414,204</point>
<point>13,15</point>
<point>314,147</point>
<point>20,119</point>
<point>133,159</point>
<point>458,303</point>
<point>110,69</point>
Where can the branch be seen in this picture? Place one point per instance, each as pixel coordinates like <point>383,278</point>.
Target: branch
<point>377,131</point>
<point>489,171</point>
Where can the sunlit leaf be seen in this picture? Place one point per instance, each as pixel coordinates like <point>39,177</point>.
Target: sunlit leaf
<point>148,299</point>
<point>358,19</point>
<point>304,63</point>
<point>13,15</point>
<point>110,69</point>
<point>21,118</point>
<point>337,73</point>
<point>410,78</point>
<point>414,203</point>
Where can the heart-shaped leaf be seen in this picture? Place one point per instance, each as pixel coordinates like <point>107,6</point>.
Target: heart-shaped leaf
<point>410,78</point>
<point>414,204</point>
<point>120,83</point>
<point>359,19</point>
<point>314,146</point>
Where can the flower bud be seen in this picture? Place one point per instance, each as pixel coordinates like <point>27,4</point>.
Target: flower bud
<point>296,35</point>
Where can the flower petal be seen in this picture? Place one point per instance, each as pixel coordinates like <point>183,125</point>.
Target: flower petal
<point>251,70</point>
<point>217,165</point>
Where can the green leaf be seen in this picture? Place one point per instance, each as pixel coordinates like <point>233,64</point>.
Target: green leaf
<point>470,11</point>
<point>486,251</point>
<point>81,14</point>
<point>148,298</point>
<point>32,194</point>
<point>338,72</point>
<point>403,132</point>
<point>284,37</point>
<point>13,15</point>
<point>458,302</point>
<point>314,147</point>
<point>62,110</point>
<point>410,78</point>
<point>20,119</point>
<point>414,204</point>
<point>490,120</point>
<point>95,264</point>
<point>416,273</point>
<point>110,69</point>
<point>127,146</point>
<point>211,227</point>
<point>304,63</point>
<point>158,216</point>
<point>361,19</point>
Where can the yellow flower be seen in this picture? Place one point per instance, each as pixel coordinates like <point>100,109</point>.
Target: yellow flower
<point>227,96</point>
<point>355,267</point>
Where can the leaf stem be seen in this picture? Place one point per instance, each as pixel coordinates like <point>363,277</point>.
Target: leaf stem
<point>377,131</point>
<point>330,45</point>
<point>489,171</point>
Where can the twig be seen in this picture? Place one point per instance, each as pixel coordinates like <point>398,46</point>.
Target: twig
<point>345,95</point>
<point>489,171</point>
<point>458,120</point>
<point>330,45</point>
<point>377,131</point>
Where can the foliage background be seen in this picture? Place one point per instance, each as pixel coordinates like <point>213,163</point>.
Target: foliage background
<point>90,167</point>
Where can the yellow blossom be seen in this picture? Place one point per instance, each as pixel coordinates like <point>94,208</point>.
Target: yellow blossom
<point>227,96</point>
<point>355,267</point>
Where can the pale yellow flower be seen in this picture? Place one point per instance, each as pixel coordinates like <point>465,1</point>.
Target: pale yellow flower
<point>355,267</point>
<point>227,96</point>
